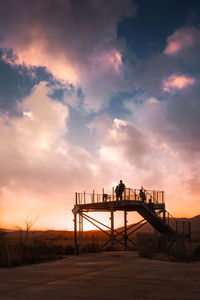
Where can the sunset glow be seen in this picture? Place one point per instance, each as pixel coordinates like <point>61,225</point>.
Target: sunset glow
<point>181,40</point>
<point>177,82</point>
<point>90,95</point>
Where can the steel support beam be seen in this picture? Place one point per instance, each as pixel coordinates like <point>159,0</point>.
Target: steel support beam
<point>112,229</point>
<point>88,218</point>
<point>122,233</point>
<point>125,230</point>
<point>115,231</point>
<point>164,216</point>
<point>189,229</point>
<point>80,232</point>
<point>75,235</point>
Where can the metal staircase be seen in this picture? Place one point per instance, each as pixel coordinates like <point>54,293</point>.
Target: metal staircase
<point>167,224</point>
<point>151,208</point>
<point>155,220</point>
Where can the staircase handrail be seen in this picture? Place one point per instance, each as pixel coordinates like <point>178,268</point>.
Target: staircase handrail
<point>134,191</point>
<point>147,193</point>
<point>172,217</point>
<point>179,222</point>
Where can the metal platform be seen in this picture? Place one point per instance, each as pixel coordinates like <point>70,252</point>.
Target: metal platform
<point>152,210</point>
<point>128,205</point>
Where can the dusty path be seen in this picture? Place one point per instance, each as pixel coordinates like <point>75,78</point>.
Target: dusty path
<point>116,275</point>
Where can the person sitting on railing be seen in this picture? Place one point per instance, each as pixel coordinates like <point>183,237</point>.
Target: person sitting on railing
<point>142,194</point>
<point>120,190</point>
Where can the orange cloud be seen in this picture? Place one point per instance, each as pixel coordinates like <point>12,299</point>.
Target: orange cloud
<point>86,54</point>
<point>115,59</point>
<point>176,82</point>
<point>153,100</point>
<point>182,39</point>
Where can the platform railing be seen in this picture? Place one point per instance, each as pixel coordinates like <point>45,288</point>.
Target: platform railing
<point>151,195</point>
<point>180,227</point>
<point>156,197</point>
<point>130,194</point>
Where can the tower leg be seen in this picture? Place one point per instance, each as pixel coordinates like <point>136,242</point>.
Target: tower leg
<point>189,229</point>
<point>112,229</point>
<point>164,216</point>
<point>75,235</point>
<point>125,230</point>
<point>80,233</point>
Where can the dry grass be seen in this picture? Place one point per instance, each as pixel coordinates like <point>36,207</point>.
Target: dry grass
<point>22,247</point>
<point>175,249</point>
<point>18,248</point>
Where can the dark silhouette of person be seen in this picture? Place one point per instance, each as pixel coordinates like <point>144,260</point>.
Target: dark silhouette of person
<point>142,194</point>
<point>150,203</point>
<point>105,197</point>
<point>120,190</point>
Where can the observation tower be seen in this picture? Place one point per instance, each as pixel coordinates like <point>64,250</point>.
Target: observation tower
<point>152,210</point>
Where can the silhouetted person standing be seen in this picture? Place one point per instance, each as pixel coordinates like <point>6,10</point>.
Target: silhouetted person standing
<point>105,197</point>
<point>142,194</point>
<point>120,190</point>
<point>117,192</point>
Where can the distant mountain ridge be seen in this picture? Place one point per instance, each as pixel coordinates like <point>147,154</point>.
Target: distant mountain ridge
<point>195,225</point>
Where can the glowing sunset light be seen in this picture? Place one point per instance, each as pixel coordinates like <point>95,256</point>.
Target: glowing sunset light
<point>28,114</point>
<point>177,82</point>
<point>89,95</point>
<point>173,47</point>
<point>119,123</point>
<point>153,100</point>
<point>180,40</point>
<point>106,60</point>
<point>37,54</point>
<point>115,59</point>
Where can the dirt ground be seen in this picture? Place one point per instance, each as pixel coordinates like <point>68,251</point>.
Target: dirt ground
<point>99,276</point>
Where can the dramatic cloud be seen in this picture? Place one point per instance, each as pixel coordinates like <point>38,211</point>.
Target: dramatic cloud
<point>172,118</point>
<point>182,39</point>
<point>140,117</point>
<point>142,154</point>
<point>41,170</point>
<point>161,72</point>
<point>153,100</point>
<point>171,128</point>
<point>77,43</point>
<point>38,165</point>
<point>176,82</point>
<point>184,45</point>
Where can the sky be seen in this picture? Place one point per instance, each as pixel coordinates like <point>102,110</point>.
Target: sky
<point>92,92</point>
